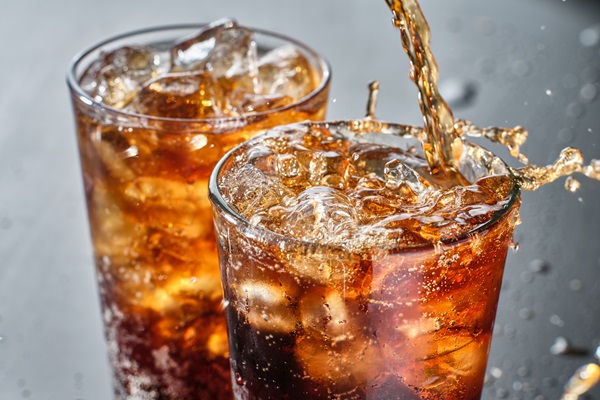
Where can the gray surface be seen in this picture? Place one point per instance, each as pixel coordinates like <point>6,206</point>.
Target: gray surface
<point>51,346</point>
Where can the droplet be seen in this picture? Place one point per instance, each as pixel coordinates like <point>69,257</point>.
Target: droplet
<point>539,266</point>
<point>517,386</point>
<point>566,135</point>
<point>525,313</point>
<point>5,223</point>
<point>486,26</point>
<point>556,320</point>
<point>458,93</point>
<point>501,393</point>
<point>588,93</point>
<point>548,92</point>
<point>572,185</point>
<point>576,285</point>
<point>590,75</point>
<point>496,372</point>
<point>523,372</point>
<point>26,393</point>
<point>583,380</point>
<point>527,277</point>
<point>590,37</point>
<point>570,81</point>
<point>575,110</point>
<point>454,24</point>
<point>238,379</point>
<point>486,65</point>
<point>2,339</point>
<point>520,68</point>
<point>560,346</point>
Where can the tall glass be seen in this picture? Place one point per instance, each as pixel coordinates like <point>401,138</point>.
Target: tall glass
<point>315,321</point>
<point>146,187</point>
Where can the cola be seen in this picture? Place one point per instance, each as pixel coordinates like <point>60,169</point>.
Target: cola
<point>351,272</point>
<point>155,110</point>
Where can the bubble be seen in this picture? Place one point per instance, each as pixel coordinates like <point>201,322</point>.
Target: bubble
<point>590,37</point>
<point>501,393</point>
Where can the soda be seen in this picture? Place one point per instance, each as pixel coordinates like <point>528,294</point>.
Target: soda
<point>155,110</point>
<point>350,273</point>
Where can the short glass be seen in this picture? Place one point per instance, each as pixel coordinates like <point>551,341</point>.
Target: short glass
<point>146,187</point>
<point>314,321</point>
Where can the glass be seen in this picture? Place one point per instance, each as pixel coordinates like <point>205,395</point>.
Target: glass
<point>308,320</point>
<point>146,187</point>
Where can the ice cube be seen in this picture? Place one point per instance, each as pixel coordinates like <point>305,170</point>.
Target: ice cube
<point>189,96</point>
<point>325,312</point>
<point>190,53</point>
<point>223,48</point>
<point>340,365</point>
<point>267,306</point>
<point>177,208</point>
<point>250,103</point>
<point>116,236</point>
<point>251,191</point>
<point>118,75</point>
<point>286,71</point>
<point>401,177</point>
<point>321,214</point>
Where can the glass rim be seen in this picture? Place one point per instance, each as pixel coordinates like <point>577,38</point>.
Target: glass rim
<point>77,90</point>
<point>219,201</point>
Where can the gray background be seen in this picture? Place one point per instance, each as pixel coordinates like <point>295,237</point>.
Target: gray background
<point>522,60</point>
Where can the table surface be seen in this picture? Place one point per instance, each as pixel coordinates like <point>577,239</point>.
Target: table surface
<point>508,62</point>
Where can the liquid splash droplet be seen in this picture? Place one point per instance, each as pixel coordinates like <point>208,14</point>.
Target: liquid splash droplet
<point>572,185</point>
<point>584,379</point>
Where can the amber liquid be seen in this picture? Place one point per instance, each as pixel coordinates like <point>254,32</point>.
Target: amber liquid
<point>154,244</point>
<point>358,319</point>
